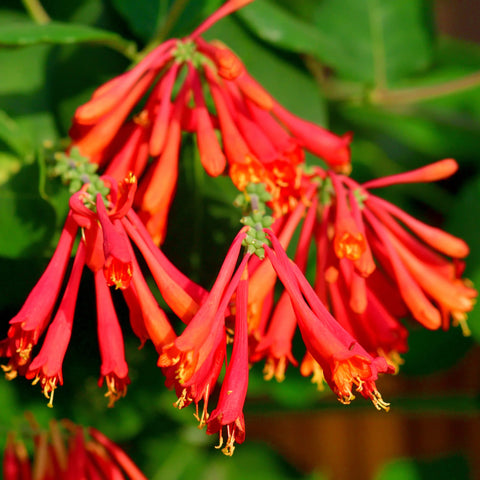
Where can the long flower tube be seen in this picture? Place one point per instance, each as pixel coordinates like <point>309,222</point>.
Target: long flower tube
<point>375,264</point>
<point>108,226</point>
<point>193,361</point>
<point>66,451</point>
<point>241,131</point>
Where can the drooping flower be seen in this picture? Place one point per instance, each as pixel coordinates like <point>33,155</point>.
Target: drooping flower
<point>375,264</point>
<point>66,451</point>
<point>193,361</point>
<point>413,256</point>
<point>105,248</point>
<point>260,141</point>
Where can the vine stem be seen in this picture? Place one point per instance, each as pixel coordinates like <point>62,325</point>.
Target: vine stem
<point>411,95</point>
<point>174,13</point>
<point>338,90</point>
<point>36,11</point>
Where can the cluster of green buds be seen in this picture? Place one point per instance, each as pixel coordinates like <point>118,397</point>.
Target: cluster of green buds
<point>186,51</point>
<point>253,203</point>
<point>326,191</point>
<point>76,171</point>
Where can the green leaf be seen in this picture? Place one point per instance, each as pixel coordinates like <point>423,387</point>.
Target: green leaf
<point>141,15</point>
<point>9,165</point>
<point>146,18</point>
<point>25,34</point>
<point>374,41</point>
<point>380,40</point>
<point>445,468</point>
<point>28,219</point>
<point>447,348</point>
<point>24,95</point>
<point>277,26</point>
<point>14,136</point>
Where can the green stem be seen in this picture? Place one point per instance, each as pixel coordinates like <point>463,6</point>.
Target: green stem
<point>36,11</point>
<point>126,48</point>
<point>412,95</point>
<point>173,15</point>
<point>378,44</point>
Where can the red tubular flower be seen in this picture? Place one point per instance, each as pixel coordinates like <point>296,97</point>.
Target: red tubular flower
<point>46,367</point>
<point>68,453</point>
<point>197,341</point>
<point>106,249</point>
<point>276,343</point>
<point>153,323</point>
<point>211,155</point>
<point>194,361</point>
<point>229,411</point>
<point>117,455</point>
<point>367,261</point>
<point>227,8</point>
<point>260,140</point>
<point>157,189</point>
<point>16,464</point>
<point>202,383</point>
<point>262,280</point>
<point>96,123</point>
<point>344,362</point>
<point>118,264</point>
<point>334,150</point>
<point>180,293</point>
<point>30,322</point>
<point>114,368</point>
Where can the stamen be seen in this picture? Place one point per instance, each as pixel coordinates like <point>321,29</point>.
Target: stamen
<point>10,372</point>
<point>378,401</point>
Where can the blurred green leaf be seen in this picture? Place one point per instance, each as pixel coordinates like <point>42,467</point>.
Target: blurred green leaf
<point>28,219</point>
<point>141,15</point>
<point>15,137</point>
<point>423,356</point>
<point>24,93</point>
<point>380,40</point>
<point>277,26</point>
<point>447,125</point>
<point>371,41</point>
<point>9,165</point>
<point>445,468</point>
<point>146,18</point>
<point>27,34</point>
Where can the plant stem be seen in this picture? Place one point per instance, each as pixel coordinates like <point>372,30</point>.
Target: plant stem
<point>412,95</point>
<point>36,11</point>
<point>172,17</point>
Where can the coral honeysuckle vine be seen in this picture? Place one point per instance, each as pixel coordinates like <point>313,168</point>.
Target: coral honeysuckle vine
<point>375,265</point>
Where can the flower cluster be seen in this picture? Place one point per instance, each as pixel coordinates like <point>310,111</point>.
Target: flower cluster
<point>107,233</point>
<point>374,264</point>
<point>67,451</point>
<point>260,141</point>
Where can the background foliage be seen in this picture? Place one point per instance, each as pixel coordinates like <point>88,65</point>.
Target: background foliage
<point>376,67</point>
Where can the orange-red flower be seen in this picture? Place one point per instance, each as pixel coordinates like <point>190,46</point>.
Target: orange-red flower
<point>261,141</point>
<point>105,248</point>
<point>65,450</point>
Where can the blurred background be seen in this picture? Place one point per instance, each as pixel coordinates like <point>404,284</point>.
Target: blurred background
<point>404,77</point>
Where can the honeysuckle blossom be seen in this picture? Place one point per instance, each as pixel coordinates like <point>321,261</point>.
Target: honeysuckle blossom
<point>375,265</point>
<point>261,141</point>
<point>66,450</point>
<point>105,248</point>
<point>413,260</point>
<point>193,362</point>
